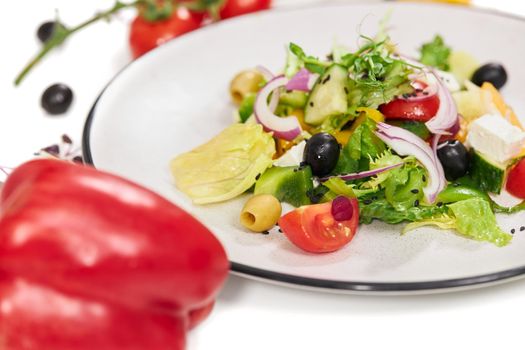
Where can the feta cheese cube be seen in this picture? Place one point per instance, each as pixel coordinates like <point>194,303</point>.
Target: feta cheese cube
<point>293,157</point>
<point>496,138</point>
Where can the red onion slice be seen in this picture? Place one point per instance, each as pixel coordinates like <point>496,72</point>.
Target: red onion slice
<point>287,128</point>
<point>405,143</point>
<point>447,114</point>
<point>362,174</point>
<point>423,91</point>
<point>302,81</point>
<point>266,73</point>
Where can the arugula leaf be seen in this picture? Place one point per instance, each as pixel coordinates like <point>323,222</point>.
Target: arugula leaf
<point>435,53</point>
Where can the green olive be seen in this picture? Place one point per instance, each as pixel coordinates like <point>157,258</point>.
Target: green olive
<point>261,213</point>
<point>244,83</point>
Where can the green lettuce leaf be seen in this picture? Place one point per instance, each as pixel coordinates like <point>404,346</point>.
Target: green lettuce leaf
<point>472,218</point>
<point>362,146</point>
<point>384,160</point>
<point>377,207</point>
<point>404,186</point>
<point>475,219</point>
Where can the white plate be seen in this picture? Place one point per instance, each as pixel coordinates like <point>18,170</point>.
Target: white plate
<point>176,97</point>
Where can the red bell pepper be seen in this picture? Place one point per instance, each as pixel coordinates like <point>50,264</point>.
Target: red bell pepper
<point>34,317</point>
<point>75,232</point>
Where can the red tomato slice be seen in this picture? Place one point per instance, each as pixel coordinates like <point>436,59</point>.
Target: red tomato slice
<point>145,35</point>
<point>420,109</point>
<point>516,180</point>
<point>314,229</point>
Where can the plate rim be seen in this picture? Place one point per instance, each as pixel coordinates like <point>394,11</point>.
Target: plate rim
<point>316,283</point>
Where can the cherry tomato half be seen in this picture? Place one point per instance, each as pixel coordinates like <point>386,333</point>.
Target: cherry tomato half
<point>516,180</point>
<point>232,8</point>
<point>420,108</point>
<point>146,35</point>
<point>314,229</point>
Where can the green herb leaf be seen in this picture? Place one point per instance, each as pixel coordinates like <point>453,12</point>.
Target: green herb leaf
<point>435,53</point>
<point>313,64</point>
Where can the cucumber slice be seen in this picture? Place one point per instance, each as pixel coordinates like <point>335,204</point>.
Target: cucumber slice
<point>487,175</point>
<point>287,184</point>
<point>329,96</point>
<point>462,65</point>
<point>295,99</point>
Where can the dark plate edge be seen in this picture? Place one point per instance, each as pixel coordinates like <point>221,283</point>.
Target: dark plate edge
<point>354,286</point>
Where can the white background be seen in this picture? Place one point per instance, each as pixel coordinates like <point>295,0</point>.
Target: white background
<point>249,315</point>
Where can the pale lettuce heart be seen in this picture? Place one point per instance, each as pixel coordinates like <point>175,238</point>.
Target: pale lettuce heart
<point>226,166</point>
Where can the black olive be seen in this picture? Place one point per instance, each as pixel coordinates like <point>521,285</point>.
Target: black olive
<point>57,98</point>
<point>494,73</point>
<point>455,159</point>
<point>321,153</point>
<point>45,31</point>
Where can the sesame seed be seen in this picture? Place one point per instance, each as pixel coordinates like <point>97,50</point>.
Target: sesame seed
<point>415,190</point>
<point>265,233</point>
<point>257,177</point>
<point>522,228</point>
<point>280,230</point>
<point>311,104</point>
<point>513,231</point>
<point>424,178</point>
<point>439,204</point>
<point>367,201</point>
<point>346,90</point>
<point>416,203</point>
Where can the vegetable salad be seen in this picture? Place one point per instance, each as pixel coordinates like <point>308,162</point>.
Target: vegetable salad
<point>365,134</point>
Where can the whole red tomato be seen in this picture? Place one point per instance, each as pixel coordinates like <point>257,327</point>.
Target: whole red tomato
<point>232,8</point>
<point>146,35</point>
<point>516,180</point>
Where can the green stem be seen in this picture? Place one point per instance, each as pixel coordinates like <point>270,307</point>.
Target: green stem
<point>61,33</point>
